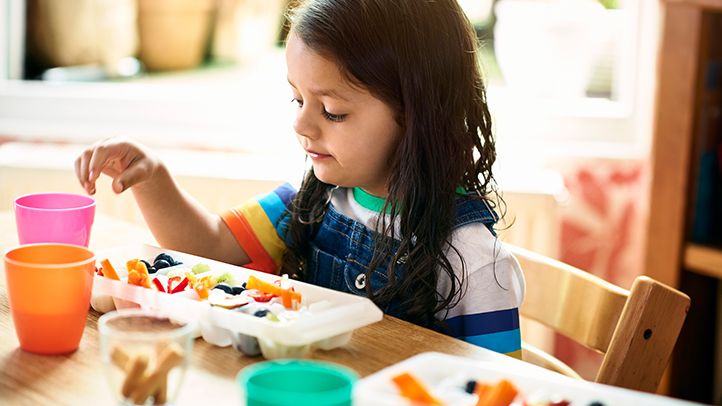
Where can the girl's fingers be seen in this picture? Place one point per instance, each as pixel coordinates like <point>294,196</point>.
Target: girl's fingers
<point>135,173</point>
<point>77,170</point>
<point>82,170</point>
<point>117,158</point>
<point>102,155</point>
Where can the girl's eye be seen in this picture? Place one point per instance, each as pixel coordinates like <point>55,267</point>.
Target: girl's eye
<point>336,118</point>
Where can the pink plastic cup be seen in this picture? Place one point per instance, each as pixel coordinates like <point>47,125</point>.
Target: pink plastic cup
<point>54,217</point>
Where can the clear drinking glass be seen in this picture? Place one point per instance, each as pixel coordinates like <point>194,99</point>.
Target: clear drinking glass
<point>145,355</point>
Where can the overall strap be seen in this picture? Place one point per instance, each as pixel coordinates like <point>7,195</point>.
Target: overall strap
<point>472,209</point>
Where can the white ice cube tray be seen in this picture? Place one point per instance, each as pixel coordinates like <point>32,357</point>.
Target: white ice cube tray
<point>330,319</point>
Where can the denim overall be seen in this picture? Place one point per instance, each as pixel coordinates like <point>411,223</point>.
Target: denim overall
<point>342,250</point>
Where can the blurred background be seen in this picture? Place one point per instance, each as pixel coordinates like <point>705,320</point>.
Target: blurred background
<point>572,87</point>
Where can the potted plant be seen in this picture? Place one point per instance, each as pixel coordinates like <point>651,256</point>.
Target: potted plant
<point>174,33</point>
<point>81,32</point>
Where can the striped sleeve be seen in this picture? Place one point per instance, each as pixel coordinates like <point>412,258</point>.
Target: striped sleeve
<point>495,330</point>
<point>259,227</point>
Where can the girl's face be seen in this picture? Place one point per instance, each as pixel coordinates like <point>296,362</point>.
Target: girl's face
<point>349,134</point>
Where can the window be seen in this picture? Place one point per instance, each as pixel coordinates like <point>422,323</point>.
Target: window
<point>246,106</point>
<point>563,76</point>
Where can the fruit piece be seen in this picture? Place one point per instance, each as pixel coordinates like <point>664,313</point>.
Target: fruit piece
<point>108,270</point>
<point>180,287</point>
<point>470,386</point>
<point>201,286</point>
<point>161,263</point>
<point>261,313</point>
<point>288,299</point>
<point>258,296</point>
<point>289,296</point>
<point>413,390</point>
<point>137,278</point>
<point>138,274</point>
<point>225,277</point>
<point>228,302</point>
<point>147,265</point>
<point>200,268</point>
<point>140,266</point>
<point>158,285</point>
<point>501,394</point>
<point>173,281</point>
<point>481,389</point>
<point>271,316</point>
<point>165,257</point>
<point>237,290</point>
<point>224,288</point>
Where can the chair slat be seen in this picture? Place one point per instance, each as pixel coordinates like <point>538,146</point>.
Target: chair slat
<point>579,305</point>
<point>645,337</point>
<point>636,330</point>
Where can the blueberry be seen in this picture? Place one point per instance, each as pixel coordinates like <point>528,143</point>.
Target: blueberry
<point>147,265</point>
<point>596,403</point>
<point>244,285</point>
<point>161,263</point>
<point>470,386</point>
<point>224,288</point>
<point>261,313</point>
<point>167,258</point>
<point>236,290</point>
<point>152,270</point>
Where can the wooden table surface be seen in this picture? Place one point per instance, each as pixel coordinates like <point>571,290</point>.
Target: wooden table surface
<point>79,378</point>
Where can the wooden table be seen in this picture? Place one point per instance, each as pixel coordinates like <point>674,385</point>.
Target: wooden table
<point>79,378</point>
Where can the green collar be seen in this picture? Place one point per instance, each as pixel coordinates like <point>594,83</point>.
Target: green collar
<point>375,203</point>
<point>369,201</point>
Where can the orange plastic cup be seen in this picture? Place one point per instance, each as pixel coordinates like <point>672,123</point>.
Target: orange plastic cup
<point>49,288</point>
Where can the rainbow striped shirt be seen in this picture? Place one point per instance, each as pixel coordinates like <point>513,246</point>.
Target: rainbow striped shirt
<point>487,314</point>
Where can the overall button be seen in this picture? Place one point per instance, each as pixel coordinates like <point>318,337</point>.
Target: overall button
<point>361,281</point>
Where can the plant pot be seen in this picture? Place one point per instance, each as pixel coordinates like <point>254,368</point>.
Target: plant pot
<point>174,33</point>
<point>247,29</point>
<point>79,32</point>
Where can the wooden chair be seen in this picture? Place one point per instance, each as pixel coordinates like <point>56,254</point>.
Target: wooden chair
<point>636,330</point>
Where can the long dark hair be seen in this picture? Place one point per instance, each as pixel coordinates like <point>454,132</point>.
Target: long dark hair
<point>420,57</point>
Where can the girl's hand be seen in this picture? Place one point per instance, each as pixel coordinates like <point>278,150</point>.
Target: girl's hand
<point>127,162</point>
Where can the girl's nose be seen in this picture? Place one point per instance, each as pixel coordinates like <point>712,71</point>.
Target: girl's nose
<point>305,125</point>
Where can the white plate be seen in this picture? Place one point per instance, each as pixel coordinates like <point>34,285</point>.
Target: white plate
<point>439,371</point>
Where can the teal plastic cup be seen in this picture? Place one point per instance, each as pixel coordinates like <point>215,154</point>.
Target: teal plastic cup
<point>297,383</point>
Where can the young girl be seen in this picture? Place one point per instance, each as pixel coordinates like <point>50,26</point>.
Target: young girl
<point>392,112</point>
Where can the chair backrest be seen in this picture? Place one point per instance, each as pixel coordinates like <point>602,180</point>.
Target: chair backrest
<point>636,330</point>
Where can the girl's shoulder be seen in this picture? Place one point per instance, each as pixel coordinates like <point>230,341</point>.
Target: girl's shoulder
<point>489,270</point>
<point>478,247</point>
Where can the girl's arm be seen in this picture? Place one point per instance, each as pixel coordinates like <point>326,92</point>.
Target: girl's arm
<point>176,220</point>
<point>179,222</point>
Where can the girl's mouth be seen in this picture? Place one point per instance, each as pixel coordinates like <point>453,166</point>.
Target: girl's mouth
<point>317,156</point>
